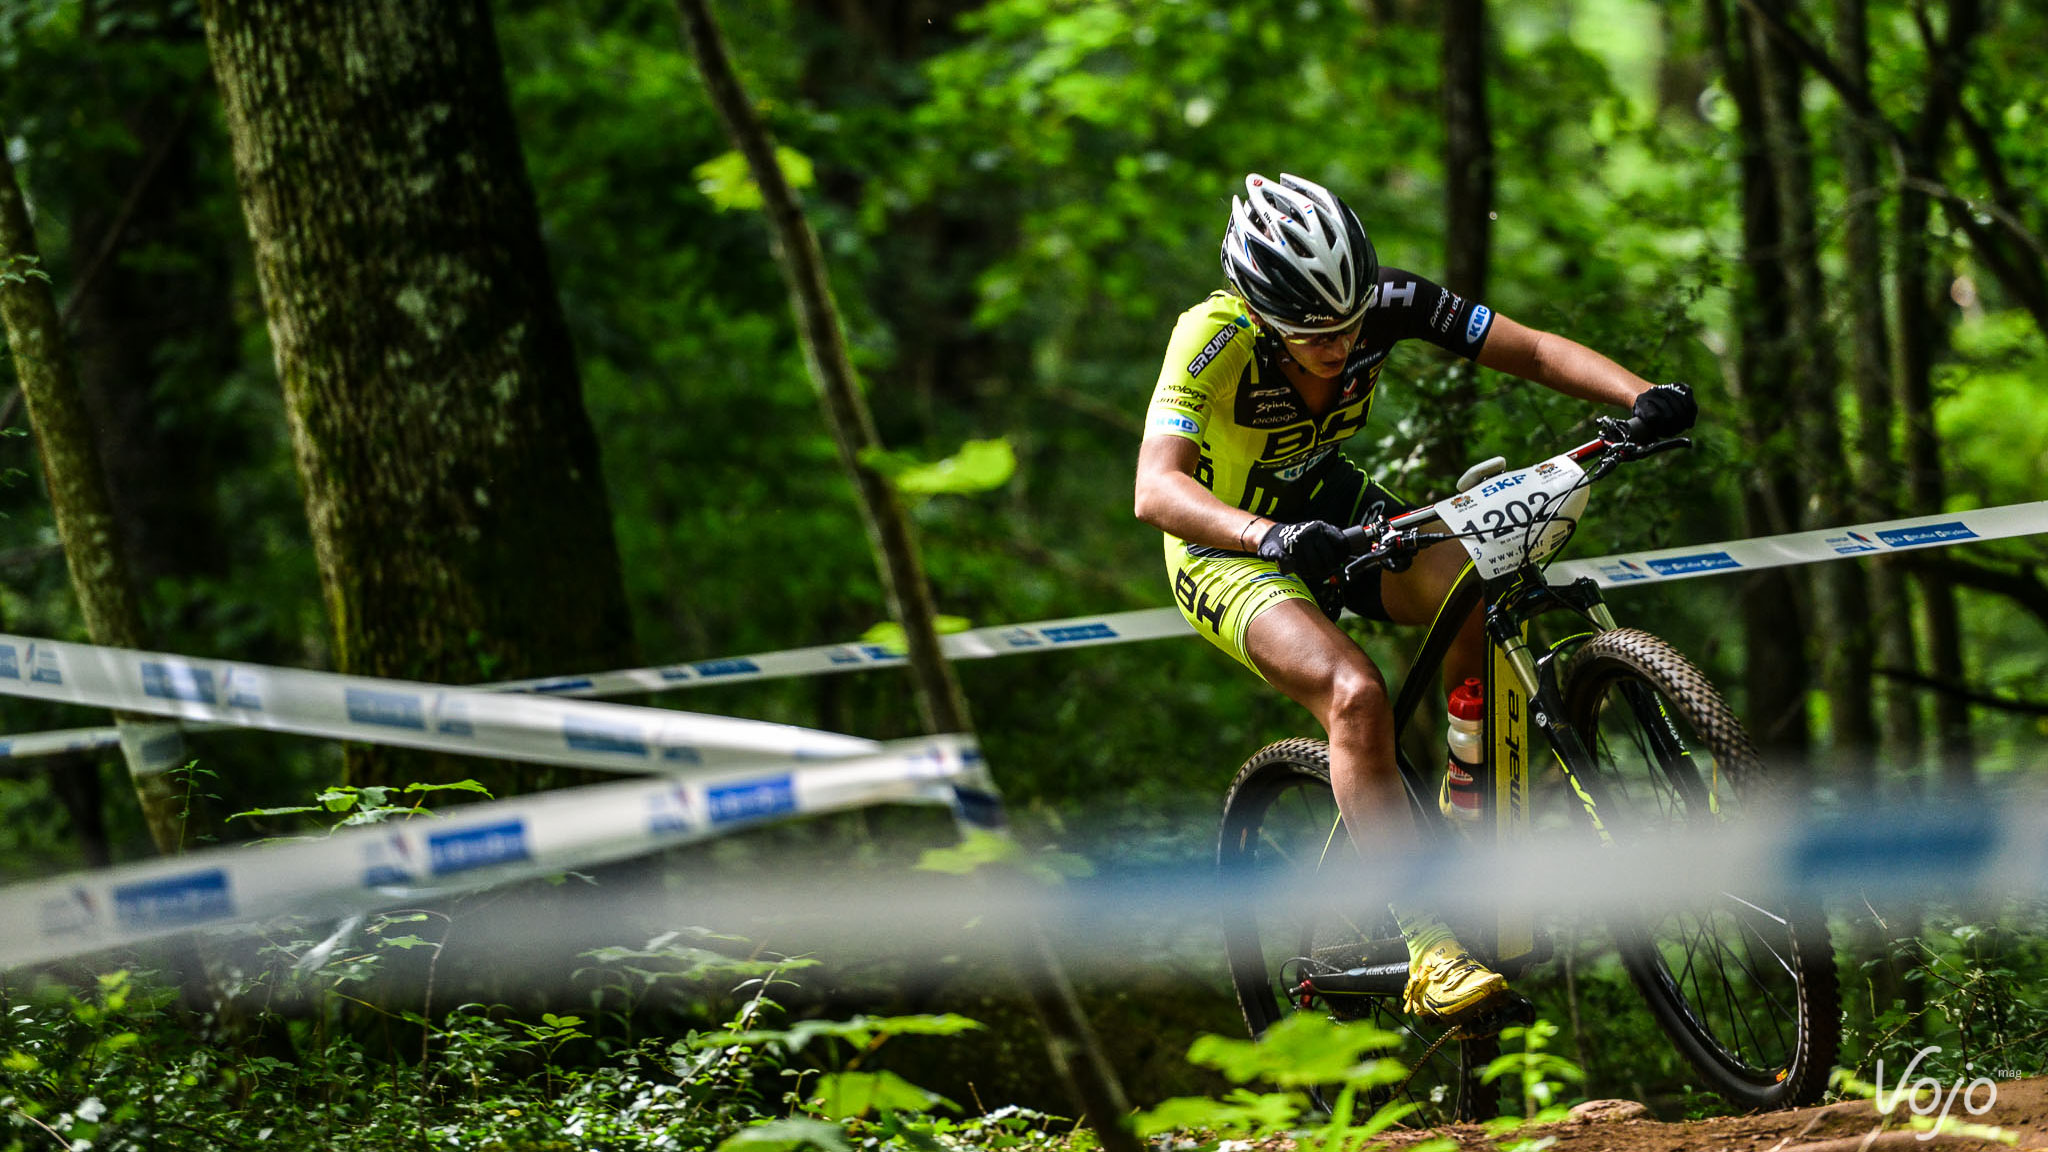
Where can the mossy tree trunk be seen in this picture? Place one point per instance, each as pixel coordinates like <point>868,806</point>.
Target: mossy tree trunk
<point>77,484</point>
<point>451,475</point>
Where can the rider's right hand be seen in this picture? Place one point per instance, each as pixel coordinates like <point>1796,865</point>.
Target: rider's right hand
<point>1312,549</point>
<point>1666,410</point>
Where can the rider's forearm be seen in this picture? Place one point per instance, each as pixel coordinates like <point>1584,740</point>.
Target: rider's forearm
<point>1177,504</point>
<point>1558,363</point>
<point>1577,371</point>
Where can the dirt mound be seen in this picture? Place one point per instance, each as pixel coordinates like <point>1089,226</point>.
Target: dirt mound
<point>2021,1108</point>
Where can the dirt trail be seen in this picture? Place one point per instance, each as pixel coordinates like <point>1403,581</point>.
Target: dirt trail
<point>2021,1108</point>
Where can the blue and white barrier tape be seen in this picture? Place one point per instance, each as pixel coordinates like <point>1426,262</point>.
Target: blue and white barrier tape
<point>583,734</point>
<point>382,866</point>
<point>1886,536</point>
<point>1619,570</point>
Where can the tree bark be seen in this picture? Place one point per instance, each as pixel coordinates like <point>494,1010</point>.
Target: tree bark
<point>100,576</point>
<point>451,475</point>
<point>1468,204</point>
<point>142,328</point>
<point>1841,615</point>
<point>1070,1039</point>
<point>1776,671</point>
<point>1877,495</point>
<point>1920,304</point>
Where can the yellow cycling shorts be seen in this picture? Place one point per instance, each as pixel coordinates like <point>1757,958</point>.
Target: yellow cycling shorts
<point>1221,594</point>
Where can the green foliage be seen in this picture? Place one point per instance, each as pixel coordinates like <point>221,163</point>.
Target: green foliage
<point>979,466</point>
<point>1543,1078</point>
<point>1300,1051</point>
<point>726,182</point>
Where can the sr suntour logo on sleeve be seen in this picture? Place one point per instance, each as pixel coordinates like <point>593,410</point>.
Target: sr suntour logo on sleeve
<point>193,898</point>
<point>1926,534</point>
<point>460,851</point>
<point>1685,565</point>
<point>1216,344</point>
<point>754,798</point>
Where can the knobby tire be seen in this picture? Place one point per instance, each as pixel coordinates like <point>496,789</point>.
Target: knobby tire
<point>1748,995</point>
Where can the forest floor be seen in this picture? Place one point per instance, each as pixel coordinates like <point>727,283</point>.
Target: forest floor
<point>1853,1126</point>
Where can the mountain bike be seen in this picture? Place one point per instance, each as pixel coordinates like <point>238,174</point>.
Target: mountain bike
<point>1645,748</point>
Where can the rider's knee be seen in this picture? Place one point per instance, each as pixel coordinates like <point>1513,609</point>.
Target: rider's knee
<point>1357,692</point>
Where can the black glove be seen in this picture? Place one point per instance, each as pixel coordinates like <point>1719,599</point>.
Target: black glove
<point>1666,410</point>
<point>1312,549</point>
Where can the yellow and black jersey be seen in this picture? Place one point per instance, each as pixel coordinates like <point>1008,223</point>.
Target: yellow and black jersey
<point>1262,450</point>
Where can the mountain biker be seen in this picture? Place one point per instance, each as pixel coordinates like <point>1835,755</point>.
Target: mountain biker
<point>1240,469</point>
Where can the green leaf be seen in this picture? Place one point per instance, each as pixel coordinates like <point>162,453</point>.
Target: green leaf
<point>979,466</point>
<point>888,635</point>
<point>848,1095</point>
<point>457,786</point>
<point>787,1135</point>
<point>291,810</point>
<point>1300,1050</point>
<point>730,186</point>
<point>1242,1111</point>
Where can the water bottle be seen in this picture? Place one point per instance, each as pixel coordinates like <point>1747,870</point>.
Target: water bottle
<point>1459,799</point>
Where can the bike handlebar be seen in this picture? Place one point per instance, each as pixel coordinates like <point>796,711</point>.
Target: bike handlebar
<point>1395,541</point>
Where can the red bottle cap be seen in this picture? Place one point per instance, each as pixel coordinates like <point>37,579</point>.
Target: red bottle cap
<point>1468,701</point>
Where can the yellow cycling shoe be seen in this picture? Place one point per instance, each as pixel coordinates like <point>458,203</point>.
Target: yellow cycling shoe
<point>1447,984</point>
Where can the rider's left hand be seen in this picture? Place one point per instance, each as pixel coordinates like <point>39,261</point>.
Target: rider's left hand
<point>1312,549</point>
<point>1666,409</point>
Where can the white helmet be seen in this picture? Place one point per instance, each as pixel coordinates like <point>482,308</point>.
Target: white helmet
<point>1299,256</point>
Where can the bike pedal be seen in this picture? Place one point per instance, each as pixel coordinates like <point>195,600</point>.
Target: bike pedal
<point>1503,1011</point>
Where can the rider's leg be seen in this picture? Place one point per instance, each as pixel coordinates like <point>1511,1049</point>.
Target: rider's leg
<point>1299,651</point>
<point>1303,654</point>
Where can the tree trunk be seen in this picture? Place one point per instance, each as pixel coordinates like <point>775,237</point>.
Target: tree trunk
<point>100,576</point>
<point>1468,206</point>
<point>1775,673</point>
<point>1877,495</point>
<point>1070,1039</point>
<point>1918,332</point>
<point>1841,615</point>
<point>143,328</point>
<point>451,475</point>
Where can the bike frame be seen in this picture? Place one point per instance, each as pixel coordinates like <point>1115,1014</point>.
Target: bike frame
<point>1521,688</point>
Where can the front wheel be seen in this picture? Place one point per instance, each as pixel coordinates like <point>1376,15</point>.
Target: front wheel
<point>1281,830</point>
<point>1747,993</point>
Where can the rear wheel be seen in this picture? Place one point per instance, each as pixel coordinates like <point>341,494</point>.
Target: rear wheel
<point>1281,830</point>
<point>1746,992</point>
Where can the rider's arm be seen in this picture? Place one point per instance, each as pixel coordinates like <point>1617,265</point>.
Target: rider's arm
<point>1170,499</point>
<point>1559,363</point>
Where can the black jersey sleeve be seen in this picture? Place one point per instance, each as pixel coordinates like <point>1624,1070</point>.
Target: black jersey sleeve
<point>1411,307</point>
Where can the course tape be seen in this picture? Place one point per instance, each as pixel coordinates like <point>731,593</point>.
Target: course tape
<point>609,737</point>
<point>1618,570</point>
<point>381,866</point>
<point>1809,547</point>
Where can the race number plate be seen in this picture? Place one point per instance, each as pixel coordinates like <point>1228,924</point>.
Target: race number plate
<point>1517,516</point>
